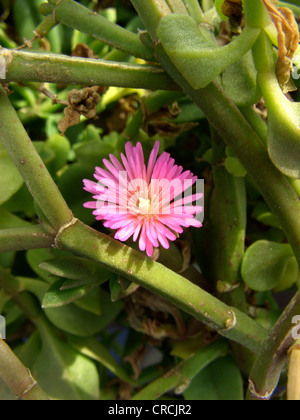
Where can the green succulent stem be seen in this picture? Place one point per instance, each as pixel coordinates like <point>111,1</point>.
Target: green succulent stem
<point>267,369</point>
<point>194,9</point>
<point>239,135</point>
<point>12,371</point>
<point>18,377</point>
<point>81,240</point>
<point>30,165</point>
<point>229,322</point>
<point>228,217</point>
<point>177,6</point>
<point>227,234</point>
<point>76,16</point>
<point>19,239</point>
<point>240,129</point>
<point>76,237</point>
<point>180,377</point>
<point>151,12</point>
<point>24,66</point>
<point>45,26</point>
<point>256,13</point>
<point>257,123</point>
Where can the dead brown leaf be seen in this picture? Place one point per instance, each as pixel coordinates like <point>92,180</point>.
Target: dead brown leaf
<point>118,118</point>
<point>233,9</point>
<point>136,358</point>
<point>288,40</point>
<point>83,50</point>
<point>156,122</point>
<point>81,102</point>
<point>125,391</point>
<point>150,314</point>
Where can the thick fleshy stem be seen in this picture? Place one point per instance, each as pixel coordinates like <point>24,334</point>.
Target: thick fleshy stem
<point>237,133</point>
<point>19,239</point>
<point>229,322</point>
<point>30,165</point>
<point>272,357</point>
<point>177,6</point>
<point>180,377</point>
<point>18,377</point>
<point>76,16</point>
<point>30,307</point>
<point>227,231</point>
<point>12,371</point>
<point>74,236</point>
<point>228,217</point>
<point>22,66</point>
<point>248,148</point>
<point>194,9</point>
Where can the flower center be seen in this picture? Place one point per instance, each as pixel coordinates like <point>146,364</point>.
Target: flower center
<point>144,205</point>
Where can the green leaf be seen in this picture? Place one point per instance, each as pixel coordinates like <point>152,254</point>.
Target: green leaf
<point>35,258</point>
<point>239,82</point>
<point>219,4</point>
<point>90,133</point>
<point>76,197</point>
<point>45,152</point>
<point>186,348</point>
<point>118,292</point>
<point>284,137</point>
<point>27,17</point>
<point>92,348</point>
<point>81,323</point>
<point>10,178</point>
<point>80,270</point>
<point>220,381</point>
<point>61,147</point>
<point>21,202</point>
<point>29,351</point>
<point>90,153</point>
<point>268,264</point>
<point>10,221</point>
<point>290,277</point>
<point>234,167</point>
<point>196,56</point>
<point>91,301</point>
<point>63,373</point>
<point>283,119</point>
<point>35,286</point>
<point>263,215</point>
<point>181,376</point>
<point>13,313</point>
<point>267,317</point>
<point>55,297</point>
<point>7,259</point>
<point>4,298</point>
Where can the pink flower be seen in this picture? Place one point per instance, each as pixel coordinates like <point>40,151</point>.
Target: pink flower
<point>144,201</point>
